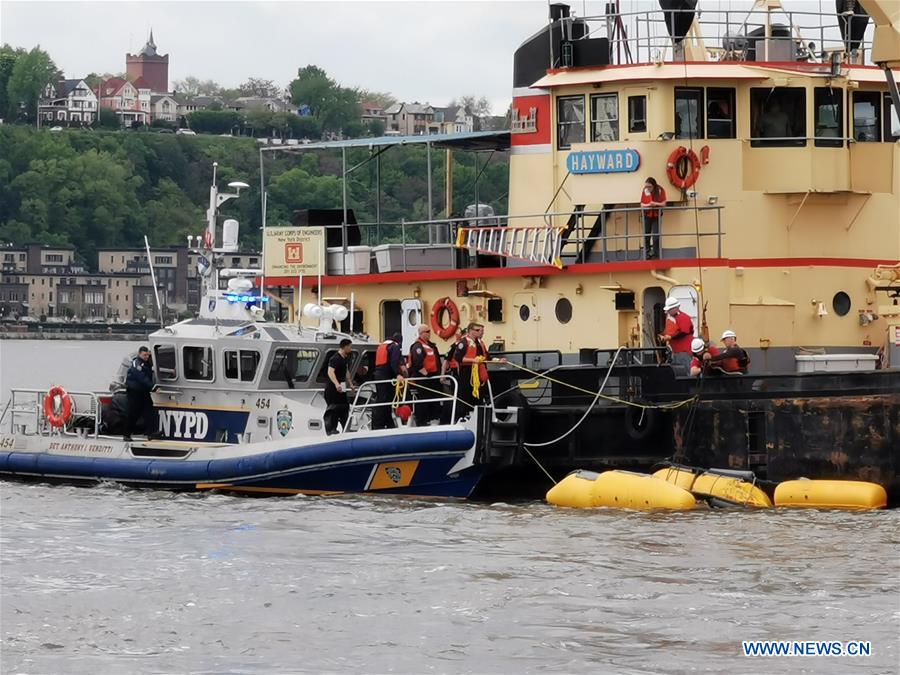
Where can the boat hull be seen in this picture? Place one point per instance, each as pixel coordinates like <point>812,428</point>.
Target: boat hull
<point>433,463</point>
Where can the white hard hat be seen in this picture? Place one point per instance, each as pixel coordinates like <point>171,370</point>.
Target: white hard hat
<point>728,333</point>
<point>671,303</point>
<point>697,345</point>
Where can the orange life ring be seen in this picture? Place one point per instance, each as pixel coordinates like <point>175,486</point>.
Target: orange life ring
<point>449,331</point>
<point>58,419</point>
<point>682,176</point>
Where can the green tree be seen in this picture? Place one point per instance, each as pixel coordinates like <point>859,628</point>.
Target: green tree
<point>259,121</point>
<point>107,119</point>
<point>194,86</point>
<point>213,121</point>
<point>8,58</point>
<point>257,86</point>
<point>331,105</point>
<point>32,72</point>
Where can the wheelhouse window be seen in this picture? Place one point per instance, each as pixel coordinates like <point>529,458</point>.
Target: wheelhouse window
<point>292,365</point>
<point>164,356</point>
<point>688,112</point>
<point>198,363</point>
<point>829,117</point>
<point>605,117</point>
<point>866,116</point>
<point>570,121</point>
<point>241,365</point>
<point>891,121</point>
<point>720,113</point>
<point>778,117</point>
<point>637,114</point>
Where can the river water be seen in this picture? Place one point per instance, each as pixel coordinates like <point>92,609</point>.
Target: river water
<point>110,580</point>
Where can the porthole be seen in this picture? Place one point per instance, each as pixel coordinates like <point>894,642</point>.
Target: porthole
<point>841,303</point>
<point>563,310</point>
<point>524,312</point>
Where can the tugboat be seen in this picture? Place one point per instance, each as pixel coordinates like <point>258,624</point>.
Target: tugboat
<point>241,409</point>
<point>774,133</point>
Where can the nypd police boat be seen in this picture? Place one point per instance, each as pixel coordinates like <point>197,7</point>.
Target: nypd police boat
<point>240,404</point>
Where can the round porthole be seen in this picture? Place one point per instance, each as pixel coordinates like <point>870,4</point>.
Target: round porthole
<point>412,318</point>
<point>841,303</point>
<point>524,312</point>
<point>563,310</point>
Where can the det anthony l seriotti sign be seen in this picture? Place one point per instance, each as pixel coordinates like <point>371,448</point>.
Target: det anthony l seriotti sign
<point>292,251</point>
<point>603,161</point>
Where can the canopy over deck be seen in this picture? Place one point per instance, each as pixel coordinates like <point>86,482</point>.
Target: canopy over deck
<point>473,141</point>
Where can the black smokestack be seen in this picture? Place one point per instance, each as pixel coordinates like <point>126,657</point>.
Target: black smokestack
<point>679,15</point>
<point>853,27</point>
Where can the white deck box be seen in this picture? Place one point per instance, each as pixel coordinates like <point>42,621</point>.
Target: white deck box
<point>357,260</point>
<point>818,363</point>
<point>419,257</point>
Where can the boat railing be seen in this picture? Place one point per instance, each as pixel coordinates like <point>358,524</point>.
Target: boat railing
<point>726,35</point>
<point>25,413</point>
<point>614,232</point>
<point>423,387</point>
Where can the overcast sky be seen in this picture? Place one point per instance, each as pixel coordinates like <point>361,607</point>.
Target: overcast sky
<point>425,51</point>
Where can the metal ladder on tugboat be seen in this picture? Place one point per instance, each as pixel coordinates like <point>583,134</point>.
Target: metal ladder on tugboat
<point>538,244</point>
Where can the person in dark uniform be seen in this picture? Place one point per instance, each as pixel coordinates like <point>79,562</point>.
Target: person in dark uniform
<point>389,365</point>
<point>138,385</point>
<point>449,375</point>
<point>425,361</point>
<point>336,387</point>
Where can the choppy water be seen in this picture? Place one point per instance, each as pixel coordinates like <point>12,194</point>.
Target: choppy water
<point>107,580</point>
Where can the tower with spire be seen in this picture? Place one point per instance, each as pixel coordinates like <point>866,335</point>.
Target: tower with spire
<point>149,65</point>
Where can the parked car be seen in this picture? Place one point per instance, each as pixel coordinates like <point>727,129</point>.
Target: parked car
<point>186,132</point>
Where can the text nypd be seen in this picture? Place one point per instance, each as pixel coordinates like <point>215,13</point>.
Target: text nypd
<point>183,424</point>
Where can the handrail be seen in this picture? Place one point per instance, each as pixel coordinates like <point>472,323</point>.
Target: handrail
<point>356,407</point>
<point>37,412</point>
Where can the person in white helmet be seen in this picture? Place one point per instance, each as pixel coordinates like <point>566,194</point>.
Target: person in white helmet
<point>677,334</point>
<point>733,359</point>
<point>703,353</point>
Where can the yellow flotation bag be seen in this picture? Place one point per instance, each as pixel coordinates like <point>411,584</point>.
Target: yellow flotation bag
<point>730,488</point>
<point>831,494</point>
<point>622,489</point>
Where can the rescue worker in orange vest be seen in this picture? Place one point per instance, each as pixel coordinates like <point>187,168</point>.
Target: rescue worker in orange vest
<point>734,359</point>
<point>703,353</point>
<point>678,333</point>
<point>425,361</point>
<point>471,354</point>
<point>389,365</point>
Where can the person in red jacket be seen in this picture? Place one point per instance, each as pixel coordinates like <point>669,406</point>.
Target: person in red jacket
<point>703,353</point>
<point>653,198</point>
<point>678,333</point>
<point>734,359</point>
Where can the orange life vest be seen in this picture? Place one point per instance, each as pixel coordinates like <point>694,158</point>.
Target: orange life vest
<point>476,348</point>
<point>430,361</point>
<point>381,354</point>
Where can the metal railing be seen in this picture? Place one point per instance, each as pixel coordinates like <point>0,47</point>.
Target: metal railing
<point>420,234</point>
<point>642,36</point>
<point>29,404</point>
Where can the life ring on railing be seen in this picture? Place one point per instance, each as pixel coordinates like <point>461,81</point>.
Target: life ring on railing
<point>683,167</point>
<point>449,331</point>
<point>60,418</point>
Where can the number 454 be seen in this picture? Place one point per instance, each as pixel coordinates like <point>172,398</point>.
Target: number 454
<point>263,403</point>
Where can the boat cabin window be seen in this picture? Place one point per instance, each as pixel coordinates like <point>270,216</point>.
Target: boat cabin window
<point>829,117</point>
<point>720,113</point>
<point>637,114</point>
<point>778,117</point>
<point>688,112</point>
<point>241,365</point>
<point>891,121</point>
<point>198,363</point>
<point>291,365</point>
<point>867,116</point>
<point>605,117</point>
<point>164,356</point>
<point>570,121</point>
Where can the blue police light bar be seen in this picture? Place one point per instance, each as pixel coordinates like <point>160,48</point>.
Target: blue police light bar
<point>233,297</point>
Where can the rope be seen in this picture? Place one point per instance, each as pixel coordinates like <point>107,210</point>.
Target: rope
<point>540,466</point>
<point>475,380</point>
<point>614,399</point>
<point>399,393</point>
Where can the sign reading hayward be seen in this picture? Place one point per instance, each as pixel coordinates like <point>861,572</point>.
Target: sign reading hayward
<point>293,251</point>
<point>603,161</point>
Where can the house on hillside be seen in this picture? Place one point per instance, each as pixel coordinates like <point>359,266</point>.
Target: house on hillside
<point>454,119</point>
<point>130,101</point>
<point>261,102</point>
<point>163,107</point>
<point>69,102</point>
<point>411,119</point>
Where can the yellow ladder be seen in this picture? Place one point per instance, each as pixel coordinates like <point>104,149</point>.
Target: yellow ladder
<point>538,244</point>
